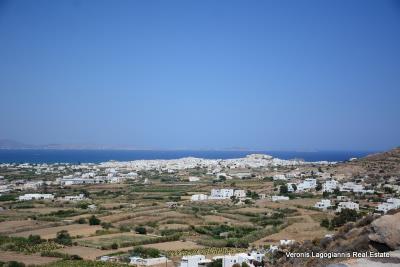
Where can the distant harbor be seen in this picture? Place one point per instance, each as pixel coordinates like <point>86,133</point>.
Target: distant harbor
<point>96,156</point>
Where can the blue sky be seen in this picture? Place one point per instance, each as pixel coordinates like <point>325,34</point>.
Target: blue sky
<point>276,75</point>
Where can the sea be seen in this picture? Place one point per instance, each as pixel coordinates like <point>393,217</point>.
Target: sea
<point>96,156</point>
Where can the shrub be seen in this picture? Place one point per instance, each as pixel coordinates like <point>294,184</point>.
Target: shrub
<point>35,239</point>
<point>14,264</point>
<point>145,252</point>
<point>346,215</point>
<point>93,220</point>
<point>81,221</point>
<point>141,230</point>
<point>215,263</point>
<point>325,223</point>
<point>63,238</point>
<point>283,189</point>
<point>106,225</point>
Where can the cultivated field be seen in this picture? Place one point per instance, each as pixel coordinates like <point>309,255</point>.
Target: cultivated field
<point>6,256</point>
<point>51,232</point>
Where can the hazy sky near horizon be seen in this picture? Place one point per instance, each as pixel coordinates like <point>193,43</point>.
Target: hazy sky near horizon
<point>277,75</point>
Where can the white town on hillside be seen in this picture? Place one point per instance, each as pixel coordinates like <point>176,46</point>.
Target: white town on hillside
<point>291,177</point>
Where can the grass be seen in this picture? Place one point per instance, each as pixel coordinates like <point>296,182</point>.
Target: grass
<point>85,263</point>
<point>120,240</point>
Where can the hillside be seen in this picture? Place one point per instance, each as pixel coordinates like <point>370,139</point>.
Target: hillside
<point>370,234</point>
<point>378,167</point>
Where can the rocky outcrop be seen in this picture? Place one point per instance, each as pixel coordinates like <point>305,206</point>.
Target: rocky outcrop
<point>386,230</point>
<point>372,233</point>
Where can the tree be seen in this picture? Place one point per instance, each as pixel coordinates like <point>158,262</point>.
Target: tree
<point>114,246</point>
<point>93,220</point>
<point>325,223</point>
<point>35,239</point>
<point>14,264</point>
<point>63,238</point>
<point>344,216</point>
<point>283,189</point>
<point>244,264</point>
<point>337,192</point>
<point>318,187</point>
<point>141,230</point>
<point>294,187</point>
<point>215,263</point>
<point>247,201</point>
<point>146,252</point>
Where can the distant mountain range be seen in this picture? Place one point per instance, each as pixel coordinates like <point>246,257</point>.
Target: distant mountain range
<point>12,144</point>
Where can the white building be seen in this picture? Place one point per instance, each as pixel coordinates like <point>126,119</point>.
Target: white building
<point>224,193</point>
<point>323,204</point>
<point>75,198</point>
<point>391,204</point>
<point>198,197</point>
<point>329,186</point>
<point>239,193</point>
<point>279,177</point>
<point>193,179</point>
<point>241,175</point>
<point>290,187</point>
<point>32,185</point>
<point>75,181</point>
<point>147,262</point>
<point>347,205</point>
<point>351,187</point>
<point>286,242</point>
<point>307,184</point>
<point>132,175</point>
<point>230,260</point>
<point>279,198</point>
<point>192,261</point>
<point>249,258</point>
<point>35,196</point>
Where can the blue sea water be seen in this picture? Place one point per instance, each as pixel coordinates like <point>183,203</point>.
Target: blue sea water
<point>96,156</point>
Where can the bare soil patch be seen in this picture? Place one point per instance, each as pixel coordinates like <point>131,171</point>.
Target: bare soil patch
<point>6,256</point>
<point>73,230</point>
<point>174,245</point>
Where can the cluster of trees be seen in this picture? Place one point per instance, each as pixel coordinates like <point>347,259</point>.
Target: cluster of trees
<point>346,215</point>
<point>63,238</point>
<point>252,194</point>
<point>145,252</point>
<point>224,231</point>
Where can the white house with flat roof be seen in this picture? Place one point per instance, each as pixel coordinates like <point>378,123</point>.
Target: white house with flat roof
<point>239,193</point>
<point>148,262</point>
<point>193,179</point>
<point>307,184</point>
<point>329,186</point>
<point>279,198</point>
<point>347,205</point>
<point>79,197</point>
<point>224,193</point>
<point>351,187</point>
<point>35,197</point>
<point>278,177</point>
<point>390,204</point>
<point>323,204</point>
<point>198,197</point>
<point>192,260</point>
